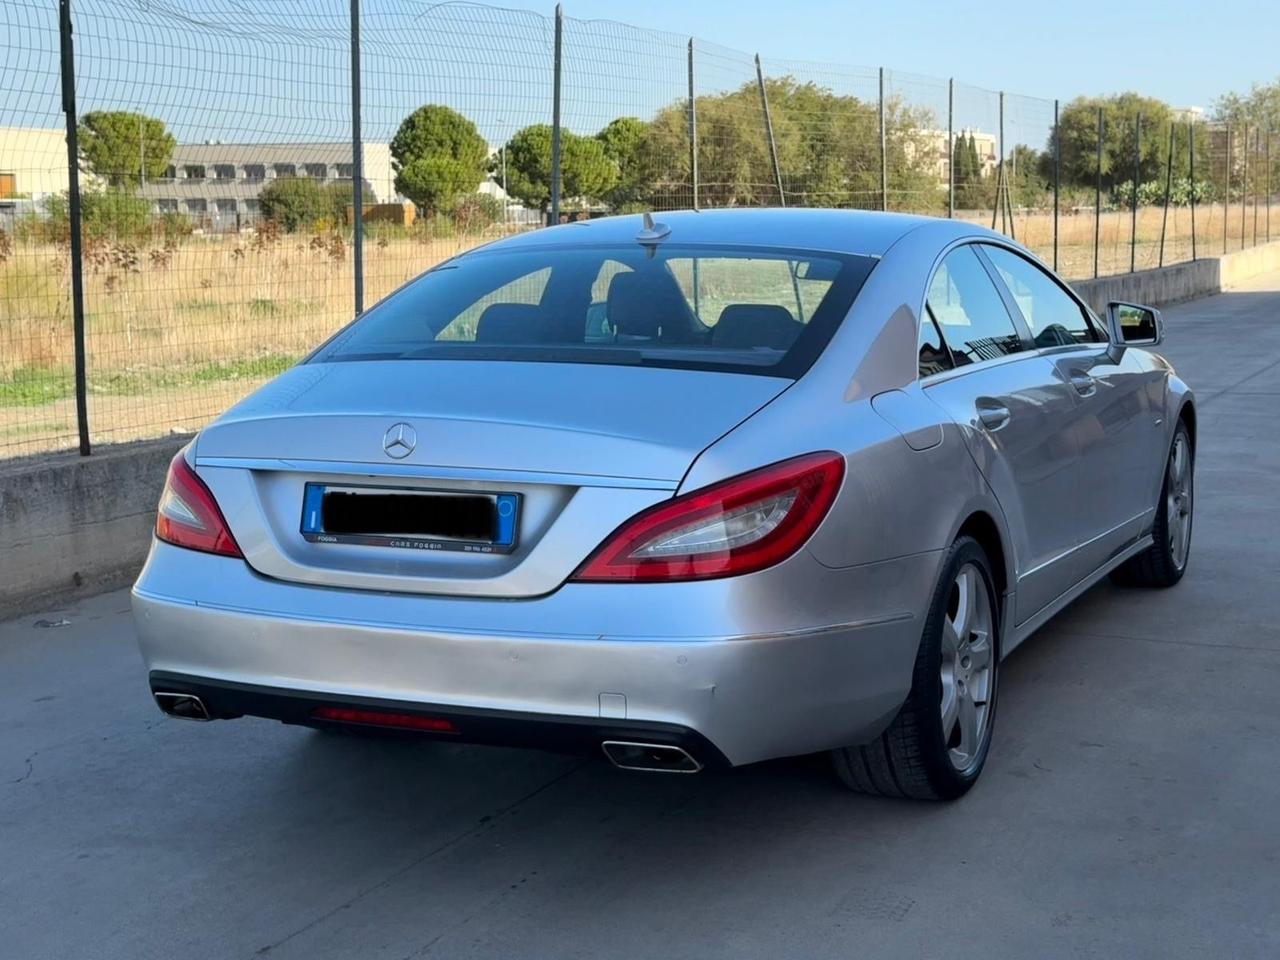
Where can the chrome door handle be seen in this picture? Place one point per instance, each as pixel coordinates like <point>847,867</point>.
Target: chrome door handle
<point>993,418</point>
<point>1085,385</point>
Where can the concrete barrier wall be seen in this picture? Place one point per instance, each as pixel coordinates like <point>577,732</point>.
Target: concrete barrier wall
<point>1182,281</point>
<point>72,525</point>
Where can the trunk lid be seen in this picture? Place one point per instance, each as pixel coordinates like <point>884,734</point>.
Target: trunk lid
<point>583,446</point>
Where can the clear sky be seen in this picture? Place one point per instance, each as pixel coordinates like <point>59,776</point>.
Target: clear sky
<point>1184,52</point>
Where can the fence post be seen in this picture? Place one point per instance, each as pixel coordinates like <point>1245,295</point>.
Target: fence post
<point>1057,179</point>
<point>1097,199</point>
<point>1226,192</point>
<point>1133,205</point>
<point>884,150</point>
<point>554,216</point>
<point>693,132</point>
<point>1191,162</point>
<point>1267,161</point>
<point>768,130</point>
<point>67,56</point>
<point>1256,151</point>
<point>1168,189</point>
<point>1244,188</point>
<point>999,205</point>
<point>951,147</point>
<point>357,164</point>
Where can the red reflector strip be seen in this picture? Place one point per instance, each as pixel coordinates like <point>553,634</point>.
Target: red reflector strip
<point>403,721</point>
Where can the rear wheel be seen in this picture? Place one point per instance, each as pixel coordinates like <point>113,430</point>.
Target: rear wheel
<point>936,746</point>
<point>1165,561</point>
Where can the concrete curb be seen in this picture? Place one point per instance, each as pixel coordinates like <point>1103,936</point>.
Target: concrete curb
<point>73,526</point>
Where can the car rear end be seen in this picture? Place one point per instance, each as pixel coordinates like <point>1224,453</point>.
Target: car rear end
<point>465,517</point>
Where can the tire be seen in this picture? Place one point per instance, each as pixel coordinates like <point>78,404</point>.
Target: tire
<point>923,755</point>
<point>1165,561</point>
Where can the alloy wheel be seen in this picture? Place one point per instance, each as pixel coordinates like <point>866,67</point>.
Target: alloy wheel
<point>968,671</point>
<point>1178,501</point>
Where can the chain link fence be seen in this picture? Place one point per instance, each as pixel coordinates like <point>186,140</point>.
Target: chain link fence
<point>252,174</point>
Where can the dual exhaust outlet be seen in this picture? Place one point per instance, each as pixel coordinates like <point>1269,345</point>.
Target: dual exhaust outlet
<point>184,706</point>
<point>649,757</point>
<point>624,754</point>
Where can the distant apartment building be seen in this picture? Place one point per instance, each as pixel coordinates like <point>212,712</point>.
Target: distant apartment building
<point>937,150</point>
<point>33,165</point>
<point>33,162</point>
<point>219,185</point>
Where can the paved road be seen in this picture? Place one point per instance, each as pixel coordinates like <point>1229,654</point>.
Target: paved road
<point>1130,808</point>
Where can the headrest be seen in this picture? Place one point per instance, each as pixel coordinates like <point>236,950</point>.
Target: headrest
<point>748,325</point>
<point>632,307</point>
<point>510,323</point>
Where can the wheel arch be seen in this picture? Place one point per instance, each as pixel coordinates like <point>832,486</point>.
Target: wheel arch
<point>982,527</point>
<point>1187,415</point>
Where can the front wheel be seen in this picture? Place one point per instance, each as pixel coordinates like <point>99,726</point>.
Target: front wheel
<point>1164,562</point>
<point>936,746</point>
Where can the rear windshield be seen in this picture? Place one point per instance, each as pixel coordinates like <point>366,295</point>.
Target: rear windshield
<point>740,309</point>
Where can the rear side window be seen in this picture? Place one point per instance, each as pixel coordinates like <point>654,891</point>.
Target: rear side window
<point>738,309</point>
<point>933,353</point>
<point>1055,319</point>
<point>970,311</point>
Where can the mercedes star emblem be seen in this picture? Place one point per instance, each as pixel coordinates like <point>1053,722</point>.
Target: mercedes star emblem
<point>399,441</point>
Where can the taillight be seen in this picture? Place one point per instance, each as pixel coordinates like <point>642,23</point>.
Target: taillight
<point>737,526</point>
<point>189,516</point>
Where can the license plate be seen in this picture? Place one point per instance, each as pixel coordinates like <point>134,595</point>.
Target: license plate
<point>410,518</point>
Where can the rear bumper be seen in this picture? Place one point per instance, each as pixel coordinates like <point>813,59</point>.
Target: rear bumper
<point>579,735</point>
<point>548,671</point>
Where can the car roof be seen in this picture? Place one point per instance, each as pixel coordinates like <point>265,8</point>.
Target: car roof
<point>863,232</point>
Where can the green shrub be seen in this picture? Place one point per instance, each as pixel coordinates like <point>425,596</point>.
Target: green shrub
<point>296,202</point>
<point>1151,193</point>
<point>476,211</point>
<point>110,214</point>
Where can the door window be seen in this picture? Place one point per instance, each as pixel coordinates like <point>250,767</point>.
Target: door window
<point>1055,318</point>
<point>969,310</point>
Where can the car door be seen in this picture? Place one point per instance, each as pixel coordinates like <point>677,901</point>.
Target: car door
<point>1014,410</point>
<point>1111,419</point>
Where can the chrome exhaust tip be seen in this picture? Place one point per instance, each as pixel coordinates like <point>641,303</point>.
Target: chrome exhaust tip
<point>184,706</point>
<point>649,757</point>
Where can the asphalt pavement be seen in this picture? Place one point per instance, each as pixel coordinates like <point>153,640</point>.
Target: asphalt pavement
<point>1130,809</point>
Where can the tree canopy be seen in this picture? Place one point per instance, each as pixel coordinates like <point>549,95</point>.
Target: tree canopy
<point>586,170</point>
<point>625,143</point>
<point>1078,122</point>
<point>971,190</point>
<point>438,157</point>
<point>828,149</point>
<point>1259,108</point>
<point>121,147</point>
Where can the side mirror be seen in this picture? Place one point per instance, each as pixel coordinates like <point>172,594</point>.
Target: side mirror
<point>1134,325</point>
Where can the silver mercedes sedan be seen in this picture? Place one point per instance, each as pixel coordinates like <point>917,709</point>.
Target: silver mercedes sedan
<point>730,486</point>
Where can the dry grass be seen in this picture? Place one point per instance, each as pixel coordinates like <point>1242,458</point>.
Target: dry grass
<point>1076,232</point>
<point>174,335</point>
<point>177,333</point>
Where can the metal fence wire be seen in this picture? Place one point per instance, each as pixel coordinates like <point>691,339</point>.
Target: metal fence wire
<point>195,192</point>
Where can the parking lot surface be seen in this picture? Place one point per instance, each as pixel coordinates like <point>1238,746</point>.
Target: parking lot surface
<point>1129,808</point>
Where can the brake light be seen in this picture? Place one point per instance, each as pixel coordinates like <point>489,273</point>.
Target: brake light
<point>189,516</point>
<point>737,526</point>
